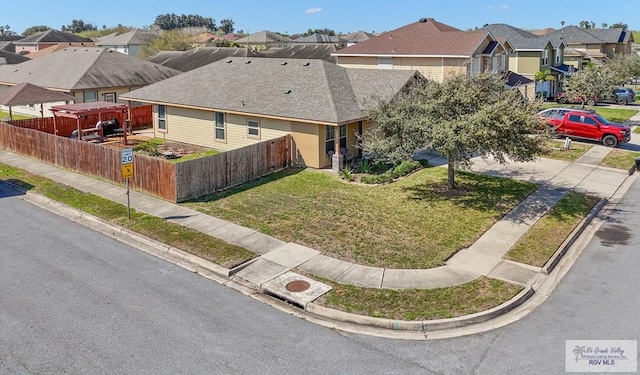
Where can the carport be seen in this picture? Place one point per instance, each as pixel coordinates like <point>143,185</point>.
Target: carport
<point>28,94</point>
<point>101,109</point>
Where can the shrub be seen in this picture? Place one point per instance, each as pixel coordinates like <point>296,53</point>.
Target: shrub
<point>399,170</point>
<point>347,173</point>
<point>149,147</point>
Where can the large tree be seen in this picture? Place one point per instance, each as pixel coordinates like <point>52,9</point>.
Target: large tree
<point>173,21</point>
<point>34,30</point>
<point>78,26</point>
<point>167,41</point>
<point>459,118</point>
<point>226,25</point>
<point>592,81</point>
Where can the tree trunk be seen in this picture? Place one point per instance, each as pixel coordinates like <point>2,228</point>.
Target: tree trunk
<point>451,177</point>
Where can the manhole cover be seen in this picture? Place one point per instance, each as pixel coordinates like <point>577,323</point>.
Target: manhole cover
<point>297,286</point>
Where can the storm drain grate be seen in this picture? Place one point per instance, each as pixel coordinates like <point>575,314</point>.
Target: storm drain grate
<point>513,272</point>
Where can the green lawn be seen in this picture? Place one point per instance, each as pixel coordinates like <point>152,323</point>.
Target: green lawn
<point>419,304</point>
<point>16,116</point>
<point>412,223</point>
<point>574,152</point>
<point>619,158</point>
<point>539,243</point>
<point>183,238</point>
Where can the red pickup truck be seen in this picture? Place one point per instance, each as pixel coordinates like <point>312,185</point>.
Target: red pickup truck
<point>592,126</point>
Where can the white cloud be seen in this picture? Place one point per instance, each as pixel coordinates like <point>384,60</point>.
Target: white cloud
<point>313,10</point>
<point>501,7</point>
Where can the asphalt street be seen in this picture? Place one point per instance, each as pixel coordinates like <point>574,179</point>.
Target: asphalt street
<point>74,301</point>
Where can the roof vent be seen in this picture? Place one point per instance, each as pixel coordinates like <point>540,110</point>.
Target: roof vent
<point>229,61</point>
<point>284,63</point>
<point>390,36</point>
<point>306,64</point>
<point>423,20</point>
<point>248,62</point>
<point>288,92</point>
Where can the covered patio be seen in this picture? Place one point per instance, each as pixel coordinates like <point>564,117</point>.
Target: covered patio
<point>29,94</point>
<point>105,111</point>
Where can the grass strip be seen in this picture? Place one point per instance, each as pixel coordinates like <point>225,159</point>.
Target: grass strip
<point>619,158</point>
<point>419,304</point>
<point>178,236</point>
<point>542,240</point>
<point>573,153</point>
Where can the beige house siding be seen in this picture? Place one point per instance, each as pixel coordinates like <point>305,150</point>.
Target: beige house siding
<point>525,63</point>
<point>358,62</point>
<point>452,66</point>
<point>187,126</point>
<point>306,139</point>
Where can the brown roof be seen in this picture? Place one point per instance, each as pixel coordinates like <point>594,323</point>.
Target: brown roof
<point>56,47</point>
<point>26,93</point>
<point>425,37</point>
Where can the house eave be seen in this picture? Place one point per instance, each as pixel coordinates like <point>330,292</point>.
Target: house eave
<point>396,55</point>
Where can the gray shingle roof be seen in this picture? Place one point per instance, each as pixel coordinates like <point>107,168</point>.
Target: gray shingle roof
<point>52,36</point>
<point>263,37</point>
<point>85,68</point>
<point>196,57</point>
<point>518,39</point>
<point>319,38</point>
<point>578,35</point>
<point>134,37</point>
<point>301,51</point>
<point>312,90</point>
<point>26,93</point>
<point>7,57</point>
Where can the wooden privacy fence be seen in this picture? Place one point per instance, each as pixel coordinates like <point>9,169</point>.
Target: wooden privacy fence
<point>152,175</point>
<point>209,174</point>
<point>175,182</point>
<point>141,116</point>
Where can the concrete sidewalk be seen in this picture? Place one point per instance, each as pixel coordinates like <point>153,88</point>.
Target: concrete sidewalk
<point>272,269</point>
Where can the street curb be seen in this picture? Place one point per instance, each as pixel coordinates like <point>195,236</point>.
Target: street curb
<point>421,325</point>
<point>573,236</point>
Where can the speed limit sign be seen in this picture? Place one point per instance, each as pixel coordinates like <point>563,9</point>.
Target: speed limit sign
<point>126,156</point>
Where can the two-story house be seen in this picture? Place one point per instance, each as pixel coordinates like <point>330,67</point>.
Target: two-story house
<point>45,39</point>
<point>433,48</point>
<point>529,54</point>
<point>594,44</point>
<point>130,43</point>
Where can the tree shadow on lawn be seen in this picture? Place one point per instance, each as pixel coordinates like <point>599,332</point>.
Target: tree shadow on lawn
<point>483,193</point>
<point>247,185</point>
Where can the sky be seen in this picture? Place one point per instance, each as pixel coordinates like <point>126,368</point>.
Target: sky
<point>297,16</point>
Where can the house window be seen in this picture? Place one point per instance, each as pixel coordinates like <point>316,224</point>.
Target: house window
<point>110,97</point>
<point>545,57</point>
<point>162,117</point>
<point>90,96</point>
<point>329,139</point>
<point>385,63</point>
<point>558,57</point>
<point>220,128</point>
<point>253,128</point>
<point>343,137</point>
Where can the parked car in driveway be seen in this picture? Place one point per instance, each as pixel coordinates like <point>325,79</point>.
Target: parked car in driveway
<point>591,126</point>
<point>624,95</point>
<point>558,112</point>
<point>563,98</point>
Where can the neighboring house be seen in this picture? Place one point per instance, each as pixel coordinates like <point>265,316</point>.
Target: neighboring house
<point>45,39</point>
<point>129,43</point>
<point>6,42</point>
<point>28,99</point>
<point>202,39</point>
<point>595,44</point>
<point>7,57</point>
<point>529,54</point>
<point>435,49</point>
<point>195,58</point>
<point>302,51</point>
<point>88,74</point>
<point>264,40</point>
<point>240,101</point>
<point>356,37</point>
<point>56,48</point>
<point>322,39</point>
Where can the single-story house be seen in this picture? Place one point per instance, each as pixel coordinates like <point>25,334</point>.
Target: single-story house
<point>45,39</point>
<point>264,40</point>
<point>89,74</point>
<point>240,101</point>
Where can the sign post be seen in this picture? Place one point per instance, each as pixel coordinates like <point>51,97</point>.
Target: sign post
<point>126,163</point>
